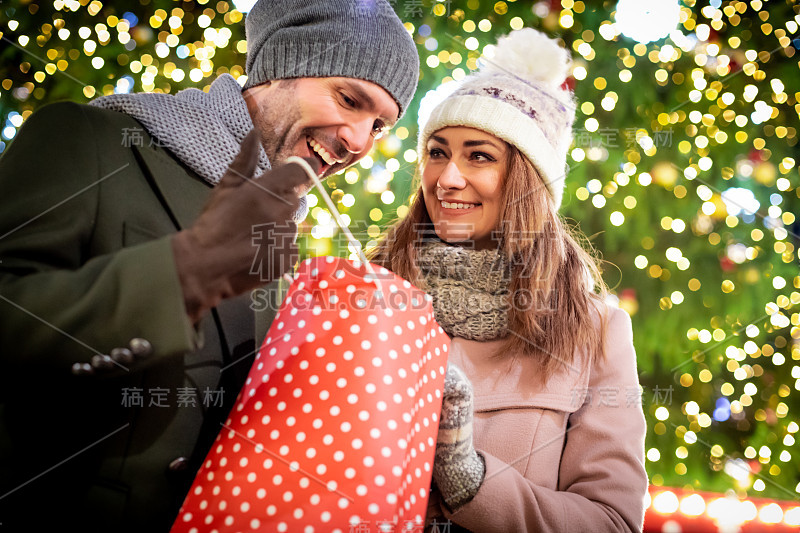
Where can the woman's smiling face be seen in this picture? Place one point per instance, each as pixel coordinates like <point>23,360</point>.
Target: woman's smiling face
<point>462,184</point>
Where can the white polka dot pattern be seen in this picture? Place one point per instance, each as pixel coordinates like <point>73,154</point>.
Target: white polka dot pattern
<point>337,423</point>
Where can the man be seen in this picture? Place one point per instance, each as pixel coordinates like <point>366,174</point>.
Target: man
<point>125,267</point>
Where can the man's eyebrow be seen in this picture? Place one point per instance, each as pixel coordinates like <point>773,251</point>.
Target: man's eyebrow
<point>369,103</point>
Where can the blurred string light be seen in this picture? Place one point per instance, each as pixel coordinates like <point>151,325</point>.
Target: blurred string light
<point>722,412</point>
<point>130,18</point>
<point>433,98</point>
<point>244,6</point>
<point>740,201</point>
<point>647,20</point>
<point>726,512</point>
<point>739,470</point>
<point>124,85</point>
<point>9,132</point>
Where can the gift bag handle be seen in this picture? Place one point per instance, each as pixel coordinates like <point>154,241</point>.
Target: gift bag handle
<point>339,221</point>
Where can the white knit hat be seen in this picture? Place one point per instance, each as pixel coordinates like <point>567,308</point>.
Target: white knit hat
<point>517,95</point>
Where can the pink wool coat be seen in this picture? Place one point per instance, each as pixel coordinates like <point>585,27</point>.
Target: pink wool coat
<point>566,456</point>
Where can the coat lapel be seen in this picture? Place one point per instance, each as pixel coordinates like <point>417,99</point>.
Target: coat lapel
<point>183,194</point>
<point>181,191</point>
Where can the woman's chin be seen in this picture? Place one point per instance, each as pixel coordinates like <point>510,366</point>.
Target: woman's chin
<point>467,240</point>
<point>455,238</point>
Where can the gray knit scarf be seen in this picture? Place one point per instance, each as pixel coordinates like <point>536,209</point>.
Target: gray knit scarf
<point>203,130</point>
<point>469,289</point>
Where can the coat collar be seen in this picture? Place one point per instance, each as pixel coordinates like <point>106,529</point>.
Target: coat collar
<point>182,198</point>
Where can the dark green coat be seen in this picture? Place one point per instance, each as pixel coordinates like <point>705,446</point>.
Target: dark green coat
<point>86,213</point>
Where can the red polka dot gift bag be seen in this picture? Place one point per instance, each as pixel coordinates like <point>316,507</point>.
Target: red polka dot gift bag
<point>335,429</point>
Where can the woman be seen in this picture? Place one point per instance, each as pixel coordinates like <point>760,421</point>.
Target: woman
<point>543,430</point>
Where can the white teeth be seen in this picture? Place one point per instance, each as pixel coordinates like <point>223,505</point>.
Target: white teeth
<point>323,153</point>
<point>449,205</point>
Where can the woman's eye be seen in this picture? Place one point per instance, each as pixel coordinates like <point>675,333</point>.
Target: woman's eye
<point>480,156</point>
<point>348,101</point>
<point>435,152</point>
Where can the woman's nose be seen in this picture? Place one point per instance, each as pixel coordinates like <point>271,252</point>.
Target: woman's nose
<point>451,177</point>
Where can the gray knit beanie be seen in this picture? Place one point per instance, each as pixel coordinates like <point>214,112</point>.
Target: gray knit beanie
<point>361,39</point>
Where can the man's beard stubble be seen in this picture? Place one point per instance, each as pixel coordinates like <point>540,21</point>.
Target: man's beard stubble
<point>274,120</point>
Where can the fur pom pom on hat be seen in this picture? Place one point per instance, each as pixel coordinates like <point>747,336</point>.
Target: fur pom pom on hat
<point>518,95</point>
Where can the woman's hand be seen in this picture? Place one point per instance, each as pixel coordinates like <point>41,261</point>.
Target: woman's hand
<point>458,470</point>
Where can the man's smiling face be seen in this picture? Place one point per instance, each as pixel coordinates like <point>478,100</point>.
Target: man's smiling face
<point>335,120</point>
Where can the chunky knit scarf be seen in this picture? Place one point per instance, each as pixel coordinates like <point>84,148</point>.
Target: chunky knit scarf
<point>469,289</point>
<point>203,130</point>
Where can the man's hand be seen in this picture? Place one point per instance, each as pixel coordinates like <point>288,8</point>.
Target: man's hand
<point>245,235</point>
<point>458,470</point>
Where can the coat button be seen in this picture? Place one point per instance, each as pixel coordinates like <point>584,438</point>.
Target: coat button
<point>122,356</point>
<point>178,465</point>
<point>102,362</point>
<point>140,347</point>
<point>82,369</point>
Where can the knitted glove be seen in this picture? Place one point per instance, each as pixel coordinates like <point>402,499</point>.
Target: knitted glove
<point>458,470</point>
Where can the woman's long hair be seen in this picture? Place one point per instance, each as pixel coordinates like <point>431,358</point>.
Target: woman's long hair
<point>556,293</point>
